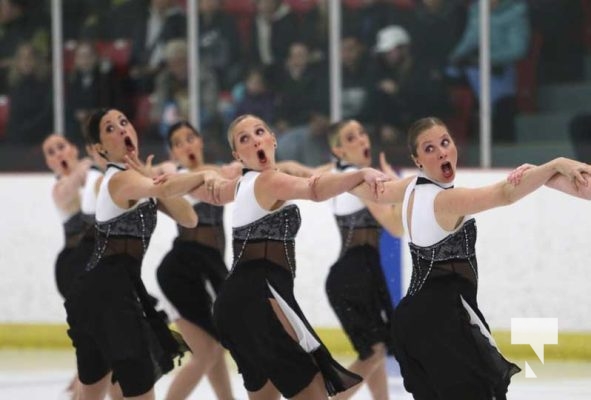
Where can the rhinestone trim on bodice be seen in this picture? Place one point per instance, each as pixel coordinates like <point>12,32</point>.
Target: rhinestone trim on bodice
<point>282,225</point>
<point>138,223</point>
<point>459,246</point>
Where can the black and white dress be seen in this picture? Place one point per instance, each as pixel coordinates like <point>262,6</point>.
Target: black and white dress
<point>356,286</point>
<point>441,339</point>
<point>264,269</point>
<point>192,272</point>
<point>111,318</point>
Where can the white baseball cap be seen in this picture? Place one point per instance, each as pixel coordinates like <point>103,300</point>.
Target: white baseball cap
<point>390,37</point>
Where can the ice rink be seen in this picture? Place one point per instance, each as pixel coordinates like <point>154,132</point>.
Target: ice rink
<point>43,375</point>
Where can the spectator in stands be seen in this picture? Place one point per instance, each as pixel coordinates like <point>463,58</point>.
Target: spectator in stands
<point>561,25</point>
<point>315,31</point>
<point>89,86</point>
<point>30,90</point>
<point>356,78</point>
<point>20,21</point>
<point>171,95</point>
<point>219,43</point>
<point>509,42</point>
<point>444,20</point>
<point>302,110</point>
<point>274,29</point>
<point>301,88</point>
<point>307,144</point>
<point>256,97</point>
<point>403,90</point>
<point>374,15</point>
<point>316,28</point>
<point>159,22</point>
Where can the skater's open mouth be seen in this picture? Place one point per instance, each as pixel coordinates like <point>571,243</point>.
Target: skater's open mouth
<point>129,146</point>
<point>447,169</point>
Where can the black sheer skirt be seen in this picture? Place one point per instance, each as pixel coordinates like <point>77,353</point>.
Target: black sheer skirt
<point>186,275</point>
<point>110,307</point>
<point>258,342</point>
<point>357,291</point>
<point>443,343</point>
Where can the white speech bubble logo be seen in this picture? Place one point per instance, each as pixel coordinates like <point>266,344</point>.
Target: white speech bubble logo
<point>536,332</point>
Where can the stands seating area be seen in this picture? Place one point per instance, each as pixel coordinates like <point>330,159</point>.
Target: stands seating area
<point>463,102</point>
<point>118,53</point>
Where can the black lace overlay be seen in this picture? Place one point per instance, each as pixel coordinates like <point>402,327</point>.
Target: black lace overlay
<point>138,223</point>
<point>75,225</point>
<point>456,250</point>
<point>358,219</point>
<point>209,214</point>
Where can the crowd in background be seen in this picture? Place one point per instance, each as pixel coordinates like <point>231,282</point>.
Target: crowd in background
<point>401,60</point>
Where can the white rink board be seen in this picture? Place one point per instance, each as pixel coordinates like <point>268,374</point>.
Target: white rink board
<point>533,255</point>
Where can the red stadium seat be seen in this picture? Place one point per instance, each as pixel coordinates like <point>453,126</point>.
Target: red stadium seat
<point>69,54</point>
<point>463,101</point>
<point>118,52</point>
<point>143,107</point>
<point>4,113</point>
<point>301,6</point>
<point>239,7</point>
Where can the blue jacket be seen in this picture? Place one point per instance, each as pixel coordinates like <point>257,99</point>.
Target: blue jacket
<point>509,33</point>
